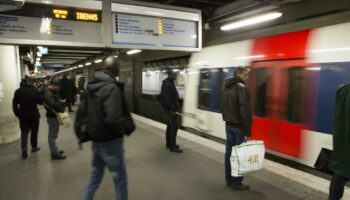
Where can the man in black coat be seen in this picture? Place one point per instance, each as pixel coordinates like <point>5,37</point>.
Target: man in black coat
<point>24,104</point>
<point>106,129</point>
<point>236,112</point>
<point>66,91</point>
<point>169,99</point>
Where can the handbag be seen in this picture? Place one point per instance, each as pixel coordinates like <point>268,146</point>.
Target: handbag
<point>247,157</point>
<point>62,117</point>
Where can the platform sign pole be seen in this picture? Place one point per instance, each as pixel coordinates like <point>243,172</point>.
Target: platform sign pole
<point>107,22</point>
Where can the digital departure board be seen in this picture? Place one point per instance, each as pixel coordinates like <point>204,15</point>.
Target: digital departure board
<point>133,29</point>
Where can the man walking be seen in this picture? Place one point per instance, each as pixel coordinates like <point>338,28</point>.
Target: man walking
<point>105,128</point>
<point>169,99</point>
<point>236,112</point>
<point>340,163</point>
<point>53,105</point>
<point>25,107</point>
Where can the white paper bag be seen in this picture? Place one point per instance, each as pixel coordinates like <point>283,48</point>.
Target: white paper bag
<point>247,158</point>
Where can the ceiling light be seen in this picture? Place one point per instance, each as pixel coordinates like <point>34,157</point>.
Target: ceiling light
<point>252,21</point>
<point>39,54</point>
<point>134,51</point>
<point>88,63</point>
<point>98,61</point>
<point>115,56</point>
<point>313,68</point>
<point>81,66</point>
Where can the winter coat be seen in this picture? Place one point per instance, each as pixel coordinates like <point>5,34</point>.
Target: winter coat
<point>25,102</point>
<point>235,105</point>
<point>169,97</point>
<point>340,162</point>
<point>104,96</point>
<point>52,102</point>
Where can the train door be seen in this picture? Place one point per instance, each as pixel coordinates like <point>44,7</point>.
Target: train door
<point>279,105</point>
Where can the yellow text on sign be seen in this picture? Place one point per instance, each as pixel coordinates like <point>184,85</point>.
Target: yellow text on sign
<point>83,16</point>
<point>60,13</point>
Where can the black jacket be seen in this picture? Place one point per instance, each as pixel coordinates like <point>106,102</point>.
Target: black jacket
<point>169,98</point>
<point>235,104</point>
<point>25,102</point>
<point>52,102</point>
<point>105,121</point>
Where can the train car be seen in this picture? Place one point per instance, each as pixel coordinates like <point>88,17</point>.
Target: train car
<point>293,81</point>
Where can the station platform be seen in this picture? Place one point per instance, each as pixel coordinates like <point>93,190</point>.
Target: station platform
<point>153,172</point>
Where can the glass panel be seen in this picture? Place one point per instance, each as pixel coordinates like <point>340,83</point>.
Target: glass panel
<point>295,106</point>
<point>261,82</point>
<point>204,90</point>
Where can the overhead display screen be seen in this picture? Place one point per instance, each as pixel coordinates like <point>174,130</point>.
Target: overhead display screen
<point>131,29</point>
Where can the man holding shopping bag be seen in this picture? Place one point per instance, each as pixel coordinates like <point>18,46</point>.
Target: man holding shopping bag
<point>236,112</point>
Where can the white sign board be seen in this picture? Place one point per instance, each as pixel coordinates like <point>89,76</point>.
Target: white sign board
<point>130,29</point>
<point>44,29</point>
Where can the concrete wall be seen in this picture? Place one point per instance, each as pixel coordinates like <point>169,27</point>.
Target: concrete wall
<point>10,76</point>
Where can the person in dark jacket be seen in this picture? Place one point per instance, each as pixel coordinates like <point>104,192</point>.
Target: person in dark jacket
<point>105,127</point>
<point>340,163</point>
<point>236,112</point>
<point>169,99</point>
<point>53,104</point>
<point>66,92</point>
<point>25,107</point>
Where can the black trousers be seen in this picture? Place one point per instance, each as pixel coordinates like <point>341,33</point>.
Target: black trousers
<point>336,189</point>
<point>171,130</point>
<point>27,126</point>
<point>69,103</point>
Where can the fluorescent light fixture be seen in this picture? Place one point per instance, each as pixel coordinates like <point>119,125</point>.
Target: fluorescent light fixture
<point>251,21</point>
<point>250,57</point>
<point>314,68</point>
<point>115,56</point>
<point>38,54</point>
<point>134,51</point>
<point>80,66</point>
<point>330,50</point>
<point>98,61</point>
<point>37,59</point>
<point>88,63</point>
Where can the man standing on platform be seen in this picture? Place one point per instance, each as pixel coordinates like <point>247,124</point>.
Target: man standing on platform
<point>236,112</point>
<point>340,163</point>
<point>169,99</point>
<point>24,103</point>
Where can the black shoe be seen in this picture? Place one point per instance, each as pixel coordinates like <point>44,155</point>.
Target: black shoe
<point>241,187</point>
<point>71,111</point>
<point>176,146</point>
<point>175,150</point>
<point>35,149</point>
<point>58,157</point>
<point>61,152</point>
<point>24,155</point>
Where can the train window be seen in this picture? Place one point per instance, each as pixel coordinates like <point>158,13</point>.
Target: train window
<point>204,90</point>
<point>295,106</point>
<point>261,79</point>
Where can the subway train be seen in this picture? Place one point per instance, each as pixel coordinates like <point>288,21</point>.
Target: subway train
<point>293,81</point>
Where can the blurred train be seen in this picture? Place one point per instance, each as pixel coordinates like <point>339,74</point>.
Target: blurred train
<point>293,81</point>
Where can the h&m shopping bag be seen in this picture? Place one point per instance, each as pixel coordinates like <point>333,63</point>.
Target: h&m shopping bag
<point>247,158</point>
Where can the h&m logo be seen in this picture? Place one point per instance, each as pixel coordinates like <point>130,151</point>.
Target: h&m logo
<point>253,159</point>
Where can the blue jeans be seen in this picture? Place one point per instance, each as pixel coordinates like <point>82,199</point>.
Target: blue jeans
<point>54,128</point>
<point>234,137</point>
<point>111,155</point>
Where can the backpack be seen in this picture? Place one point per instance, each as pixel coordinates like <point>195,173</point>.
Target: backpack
<point>81,122</point>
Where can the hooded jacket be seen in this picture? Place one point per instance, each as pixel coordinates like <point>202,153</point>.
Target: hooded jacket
<point>25,102</point>
<point>340,162</point>
<point>105,107</point>
<point>235,104</point>
<point>169,97</point>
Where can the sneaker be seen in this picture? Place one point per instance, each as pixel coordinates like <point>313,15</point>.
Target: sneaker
<point>24,155</point>
<point>175,150</point>
<point>241,187</point>
<point>58,157</point>
<point>35,149</point>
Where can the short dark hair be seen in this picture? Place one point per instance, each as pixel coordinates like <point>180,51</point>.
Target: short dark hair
<point>240,70</point>
<point>112,65</point>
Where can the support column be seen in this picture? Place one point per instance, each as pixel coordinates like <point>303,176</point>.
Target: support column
<point>10,74</point>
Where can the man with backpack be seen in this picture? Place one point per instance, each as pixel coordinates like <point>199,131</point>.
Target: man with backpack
<point>106,126</point>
